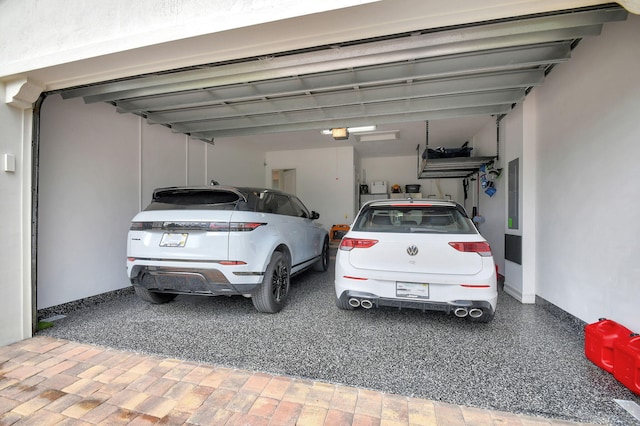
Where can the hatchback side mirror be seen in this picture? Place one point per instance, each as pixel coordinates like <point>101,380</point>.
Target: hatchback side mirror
<point>315,215</point>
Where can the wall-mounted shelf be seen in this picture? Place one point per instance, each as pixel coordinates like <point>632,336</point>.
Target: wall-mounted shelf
<point>456,167</point>
<point>453,167</point>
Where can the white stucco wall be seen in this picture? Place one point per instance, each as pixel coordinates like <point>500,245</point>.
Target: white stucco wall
<point>588,193</point>
<point>99,29</point>
<point>97,169</point>
<point>325,180</point>
<point>88,189</point>
<point>233,162</point>
<point>15,223</point>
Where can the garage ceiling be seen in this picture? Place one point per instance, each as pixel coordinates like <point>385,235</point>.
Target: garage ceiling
<point>471,70</point>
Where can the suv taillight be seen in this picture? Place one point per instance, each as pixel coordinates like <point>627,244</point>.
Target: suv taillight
<point>195,226</point>
<point>480,247</point>
<point>244,226</point>
<point>348,244</point>
<point>140,226</point>
<point>234,226</point>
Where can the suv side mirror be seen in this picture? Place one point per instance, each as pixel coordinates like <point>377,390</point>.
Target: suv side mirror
<point>315,215</point>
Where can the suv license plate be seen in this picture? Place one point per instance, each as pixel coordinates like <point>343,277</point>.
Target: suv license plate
<point>412,290</point>
<point>173,240</point>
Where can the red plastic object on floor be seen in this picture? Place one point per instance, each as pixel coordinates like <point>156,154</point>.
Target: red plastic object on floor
<point>599,339</point>
<point>626,362</point>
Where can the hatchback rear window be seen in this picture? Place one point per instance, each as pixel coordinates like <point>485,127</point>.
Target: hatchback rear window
<point>416,219</point>
<point>180,199</point>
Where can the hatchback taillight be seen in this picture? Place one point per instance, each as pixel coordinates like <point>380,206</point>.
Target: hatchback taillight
<point>480,247</point>
<point>348,244</point>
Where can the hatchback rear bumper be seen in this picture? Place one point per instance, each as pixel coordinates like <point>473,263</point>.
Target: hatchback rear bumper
<point>460,308</point>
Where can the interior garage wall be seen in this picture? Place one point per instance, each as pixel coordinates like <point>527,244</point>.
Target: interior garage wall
<point>404,171</point>
<point>588,191</point>
<point>325,180</point>
<point>97,169</point>
<point>88,192</point>
<point>231,161</point>
<point>490,208</point>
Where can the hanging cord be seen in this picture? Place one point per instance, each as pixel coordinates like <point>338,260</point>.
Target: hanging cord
<point>426,136</point>
<point>426,148</point>
<point>498,120</point>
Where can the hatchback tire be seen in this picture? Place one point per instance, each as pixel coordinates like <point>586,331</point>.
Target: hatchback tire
<point>271,295</point>
<point>153,297</point>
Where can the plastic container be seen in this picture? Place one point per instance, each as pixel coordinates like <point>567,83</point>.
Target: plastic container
<point>599,339</point>
<point>626,362</point>
<point>412,188</point>
<point>379,187</point>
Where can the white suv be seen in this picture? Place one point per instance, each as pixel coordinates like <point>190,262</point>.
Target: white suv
<point>222,240</point>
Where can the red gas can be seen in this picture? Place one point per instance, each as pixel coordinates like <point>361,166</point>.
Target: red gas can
<point>599,339</point>
<point>626,362</point>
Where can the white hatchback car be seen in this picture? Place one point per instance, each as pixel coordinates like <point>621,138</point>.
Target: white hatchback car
<point>421,254</point>
<point>222,240</point>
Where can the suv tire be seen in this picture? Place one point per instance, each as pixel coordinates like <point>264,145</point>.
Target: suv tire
<point>323,263</point>
<point>153,297</point>
<point>271,295</point>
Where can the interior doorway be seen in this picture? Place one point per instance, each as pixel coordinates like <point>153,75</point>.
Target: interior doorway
<point>284,180</point>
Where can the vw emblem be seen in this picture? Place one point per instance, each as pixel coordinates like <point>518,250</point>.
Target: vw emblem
<point>412,250</point>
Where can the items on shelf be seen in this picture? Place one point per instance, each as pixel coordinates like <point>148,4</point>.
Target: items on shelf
<point>379,187</point>
<point>440,152</point>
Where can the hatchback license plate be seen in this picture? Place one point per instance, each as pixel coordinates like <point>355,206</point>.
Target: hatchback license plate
<point>173,240</point>
<point>412,290</point>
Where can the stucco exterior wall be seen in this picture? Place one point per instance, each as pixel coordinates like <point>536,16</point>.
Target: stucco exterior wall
<point>15,223</point>
<point>587,184</point>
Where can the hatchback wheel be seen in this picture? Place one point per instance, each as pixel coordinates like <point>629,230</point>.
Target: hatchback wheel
<point>153,297</point>
<point>271,295</point>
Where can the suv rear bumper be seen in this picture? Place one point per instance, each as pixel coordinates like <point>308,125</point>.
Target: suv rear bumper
<point>207,282</point>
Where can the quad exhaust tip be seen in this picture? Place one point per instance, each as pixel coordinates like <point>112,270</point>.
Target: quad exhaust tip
<point>463,312</point>
<point>365,303</point>
<point>460,312</point>
<point>475,313</point>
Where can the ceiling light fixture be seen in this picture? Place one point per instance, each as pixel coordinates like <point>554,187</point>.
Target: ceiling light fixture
<point>385,135</point>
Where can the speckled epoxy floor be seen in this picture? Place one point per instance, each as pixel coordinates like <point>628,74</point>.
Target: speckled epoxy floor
<point>527,361</point>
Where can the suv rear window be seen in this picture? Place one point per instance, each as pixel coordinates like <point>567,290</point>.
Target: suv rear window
<point>408,219</point>
<point>181,199</point>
